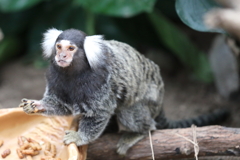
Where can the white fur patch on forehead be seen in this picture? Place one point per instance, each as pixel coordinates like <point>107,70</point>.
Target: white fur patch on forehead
<point>93,46</point>
<point>49,39</point>
<point>64,42</point>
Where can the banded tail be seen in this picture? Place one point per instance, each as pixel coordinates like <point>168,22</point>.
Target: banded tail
<point>212,118</point>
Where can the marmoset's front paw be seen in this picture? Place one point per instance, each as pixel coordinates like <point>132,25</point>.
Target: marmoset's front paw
<point>72,137</point>
<point>31,106</point>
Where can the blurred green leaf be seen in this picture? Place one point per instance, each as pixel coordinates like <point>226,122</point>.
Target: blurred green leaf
<point>139,31</point>
<point>9,47</point>
<point>122,8</point>
<point>107,27</point>
<point>191,12</point>
<point>90,23</point>
<point>16,5</point>
<point>55,15</point>
<point>182,47</point>
<point>40,63</point>
<point>13,23</point>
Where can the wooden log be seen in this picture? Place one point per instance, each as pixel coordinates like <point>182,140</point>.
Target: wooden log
<point>172,144</point>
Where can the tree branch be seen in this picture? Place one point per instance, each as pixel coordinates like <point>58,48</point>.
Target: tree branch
<point>170,144</point>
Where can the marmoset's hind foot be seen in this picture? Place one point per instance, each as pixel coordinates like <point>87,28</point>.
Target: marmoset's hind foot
<point>128,140</point>
<point>31,106</point>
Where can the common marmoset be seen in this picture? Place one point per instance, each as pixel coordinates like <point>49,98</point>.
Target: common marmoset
<point>95,79</point>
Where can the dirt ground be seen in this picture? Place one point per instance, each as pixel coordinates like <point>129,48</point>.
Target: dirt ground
<point>183,98</point>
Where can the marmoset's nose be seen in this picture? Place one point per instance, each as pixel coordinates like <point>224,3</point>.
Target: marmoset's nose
<point>63,55</point>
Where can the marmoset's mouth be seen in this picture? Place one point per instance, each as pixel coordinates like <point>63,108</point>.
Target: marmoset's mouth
<point>63,63</point>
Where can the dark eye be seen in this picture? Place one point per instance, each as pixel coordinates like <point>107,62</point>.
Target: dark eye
<point>71,48</point>
<point>59,46</point>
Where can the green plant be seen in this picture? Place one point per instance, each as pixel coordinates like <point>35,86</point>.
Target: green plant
<point>182,47</point>
<point>192,13</point>
<point>134,22</point>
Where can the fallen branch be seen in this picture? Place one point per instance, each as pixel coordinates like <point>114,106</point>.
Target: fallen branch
<point>172,144</point>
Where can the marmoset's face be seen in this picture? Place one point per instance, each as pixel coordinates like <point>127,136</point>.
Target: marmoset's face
<point>65,51</point>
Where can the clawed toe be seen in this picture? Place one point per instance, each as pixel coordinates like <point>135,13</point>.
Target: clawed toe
<point>122,150</point>
<point>73,137</point>
<point>24,100</point>
<point>28,106</point>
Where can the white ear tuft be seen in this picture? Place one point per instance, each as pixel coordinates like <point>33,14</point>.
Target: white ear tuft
<point>49,39</point>
<point>94,48</point>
